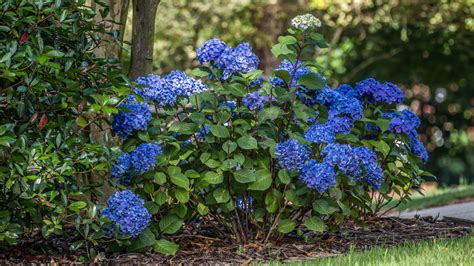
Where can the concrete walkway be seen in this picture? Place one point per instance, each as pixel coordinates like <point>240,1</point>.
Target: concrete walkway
<point>461,210</point>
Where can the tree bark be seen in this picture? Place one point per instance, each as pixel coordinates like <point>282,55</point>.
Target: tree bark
<point>143,32</point>
<point>115,20</point>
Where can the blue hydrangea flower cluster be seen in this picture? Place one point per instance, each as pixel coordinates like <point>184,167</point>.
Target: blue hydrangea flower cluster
<point>406,122</point>
<point>291,154</point>
<point>141,160</point>
<point>403,122</point>
<point>132,116</point>
<point>164,91</point>
<point>287,66</point>
<point>254,101</point>
<point>240,59</point>
<point>127,210</point>
<point>180,84</point>
<point>378,92</point>
<point>359,163</point>
<point>417,147</point>
<point>320,133</point>
<point>319,176</point>
<point>211,50</point>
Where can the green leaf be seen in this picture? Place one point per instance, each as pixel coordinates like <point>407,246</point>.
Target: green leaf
<point>281,50</point>
<point>145,239</point>
<point>221,195</point>
<point>315,224</point>
<point>247,143</point>
<point>263,182</point>
<point>77,206</point>
<point>245,176</point>
<point>81,121</point>
<point>180,180</point>
<point>287,39</point>
<point>55,54</point>
<point>170,224</point>
<point>184,128</point>
<point>159,178</point>
<point>182,195</point>
<point>6,140</point>
<point>236,89</point>
<point>311,81</point>
<point>284,176</point>
<point>213,178</point>
<point>212,163</point>
<point>219,131</point>
<point>272,201</point>
<point>383,124</point>
<point>285,226</point>
<point>270,113</point>
<point>202,209</point>
<point>200,72</point>
<point>152,207</point>
<point>166,247</point>
<point>323,207</point>
<point>229,146</point>
<point>381,146</point>
<point>204,157</point>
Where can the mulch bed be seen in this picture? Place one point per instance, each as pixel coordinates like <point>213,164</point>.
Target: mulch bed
<point>208,248</point>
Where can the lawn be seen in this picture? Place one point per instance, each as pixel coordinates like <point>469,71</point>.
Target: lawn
<point>438,197</point>
<point>433,252</point>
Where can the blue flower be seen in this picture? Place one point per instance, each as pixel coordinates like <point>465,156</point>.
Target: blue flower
<point>319,176</point>
<point>341,156</point>
<point>348,107</point>
<point>210,50</point>
<point>143,158</point>
<point>372,172</point>
<point>240,59</point>
<point>180,84</point>
<point>132,116</point>
<point>201,134</point>
<point>122,169</point>
<point>127,210</point>
<point>254,101</point>
<point>320,133</point>
<point>341,124</point>
<point>291,154</point>
<point>348,91</point>
<point>404,122</point>
<point>358,163</point>
<point>378,92</point>
<point>230,104</point>
<point>154,89</point>
<point>417,147</point>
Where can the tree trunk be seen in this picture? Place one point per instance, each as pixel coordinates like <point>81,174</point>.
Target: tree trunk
<point>115,21</point>
<point>143,31</point>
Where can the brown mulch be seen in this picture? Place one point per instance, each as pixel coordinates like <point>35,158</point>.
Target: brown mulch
<point>209,248</point>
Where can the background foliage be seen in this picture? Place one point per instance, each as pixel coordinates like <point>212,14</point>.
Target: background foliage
<point>425,46</point>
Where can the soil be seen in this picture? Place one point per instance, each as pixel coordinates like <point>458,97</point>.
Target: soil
<point>208,248</point>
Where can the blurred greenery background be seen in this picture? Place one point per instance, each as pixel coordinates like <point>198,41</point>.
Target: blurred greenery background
<point>424,46</point>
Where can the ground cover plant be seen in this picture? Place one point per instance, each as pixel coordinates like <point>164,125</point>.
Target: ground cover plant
<point>258,156</point>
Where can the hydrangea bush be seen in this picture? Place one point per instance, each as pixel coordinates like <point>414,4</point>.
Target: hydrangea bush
<point>263,156</point>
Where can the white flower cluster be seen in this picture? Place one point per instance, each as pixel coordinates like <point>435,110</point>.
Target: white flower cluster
<point>305,22</point>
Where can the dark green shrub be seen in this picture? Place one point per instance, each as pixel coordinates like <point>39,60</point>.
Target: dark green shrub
<point>55,100</point>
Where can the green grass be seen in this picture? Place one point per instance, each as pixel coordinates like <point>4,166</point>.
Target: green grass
<point>433,252</point>
<point>436,198</point>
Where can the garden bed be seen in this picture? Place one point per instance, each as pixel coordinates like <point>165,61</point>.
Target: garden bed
<point>208,247</point>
